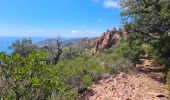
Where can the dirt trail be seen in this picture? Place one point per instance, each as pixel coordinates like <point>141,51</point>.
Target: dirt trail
<point>147,84</point>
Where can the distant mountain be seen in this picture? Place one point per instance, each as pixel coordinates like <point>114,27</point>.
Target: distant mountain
<point>84,42</point>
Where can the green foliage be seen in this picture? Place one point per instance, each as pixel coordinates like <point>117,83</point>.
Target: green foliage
<point>129,49</point>
<point>120,65</point>
<point>87,80</point>
<point>147,49</point>
<point>149,21</point>
<point>120,58</point>
<point>72,52</point>
<point>147,18</point>
<point>22,47</point>
<point>78,72</point>
<point>31,77</point>
<point>28,77</point>
<point>54,52</point>
<point>135,45</point>
<point>162,51</point>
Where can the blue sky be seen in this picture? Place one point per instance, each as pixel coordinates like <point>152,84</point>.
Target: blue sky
<point>71,18</point>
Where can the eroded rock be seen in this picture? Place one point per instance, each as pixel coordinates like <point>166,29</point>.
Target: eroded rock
<point>108,39</point>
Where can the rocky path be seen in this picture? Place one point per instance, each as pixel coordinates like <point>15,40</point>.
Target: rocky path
<point>147,84</point>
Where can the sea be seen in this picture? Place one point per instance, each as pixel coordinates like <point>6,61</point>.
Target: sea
<point>5,42</point>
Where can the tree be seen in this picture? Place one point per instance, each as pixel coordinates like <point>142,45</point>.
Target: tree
<point>149,21</point>
<point>54,52</point>
<point>22,47</point>
<point>147,17</point>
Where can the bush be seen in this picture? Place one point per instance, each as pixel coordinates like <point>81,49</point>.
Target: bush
<point>78,72</point>
<point>72,52</point>
<point>87,80</point>
<point>120,65</point>
<point>28,77</point>
<point>147,49</point>
<point>162,51</point>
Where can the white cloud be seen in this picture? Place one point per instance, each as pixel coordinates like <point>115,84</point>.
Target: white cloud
<point>74,31</point>
<point>81,33</point>
<point>111,4</point>
<point>108,3</point>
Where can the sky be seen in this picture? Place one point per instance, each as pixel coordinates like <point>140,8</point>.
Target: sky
<point>67,18</point>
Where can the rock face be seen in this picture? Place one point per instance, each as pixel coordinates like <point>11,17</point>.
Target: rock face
<point>108,39</point>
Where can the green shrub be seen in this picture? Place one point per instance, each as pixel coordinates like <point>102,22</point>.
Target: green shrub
<point>28,77</point>
<point>87,80</point>
<point>147,49</point>
<point>72,52</point>
<point>120,65</point>
<point>78,72</point>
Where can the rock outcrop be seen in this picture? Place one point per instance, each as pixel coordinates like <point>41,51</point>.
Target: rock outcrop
<point>108,39</point>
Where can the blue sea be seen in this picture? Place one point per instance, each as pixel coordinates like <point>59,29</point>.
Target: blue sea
<point>7,41</point>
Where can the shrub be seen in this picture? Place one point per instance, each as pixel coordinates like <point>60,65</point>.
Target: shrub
<point>147,49</point>
<point>28,77</point>
<point>87,80</point>
<point>122,64</point>
<point>71,52</point>
<point>79,72</point>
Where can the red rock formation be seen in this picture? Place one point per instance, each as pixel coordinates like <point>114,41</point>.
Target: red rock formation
<point>107,40</point>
